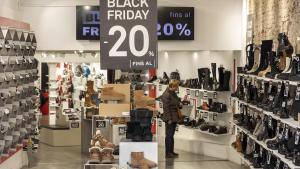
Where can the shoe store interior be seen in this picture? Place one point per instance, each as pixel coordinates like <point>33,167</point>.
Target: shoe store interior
<point>149,84</point>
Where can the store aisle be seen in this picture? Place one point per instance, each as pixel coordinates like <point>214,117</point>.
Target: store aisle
<point>70,158</point>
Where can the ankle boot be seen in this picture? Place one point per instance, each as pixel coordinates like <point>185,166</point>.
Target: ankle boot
<point>142,101</point>
<point>274,65</point>
<point>286,72</point>
<point>138,160</point>
<point>165,79</point>
<point>103,142</point>
<point>214,73</point>
<point>108,94</point>
<point>285,49</point>
<point>278,98</point>
<point>107,156</point>
<point>249,56</point>
<point>295,72</point>
<point>95,155</point>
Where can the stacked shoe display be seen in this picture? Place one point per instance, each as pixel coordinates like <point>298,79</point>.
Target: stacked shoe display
<point>139,127</point>
<point>19,103</point>
<point>101,151</point>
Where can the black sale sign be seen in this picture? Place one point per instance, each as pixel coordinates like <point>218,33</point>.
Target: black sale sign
<point>128,34</point>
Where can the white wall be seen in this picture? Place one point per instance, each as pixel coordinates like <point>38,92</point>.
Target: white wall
<point>217,24</point>
<point>188,62</point>
<point>9,9</point>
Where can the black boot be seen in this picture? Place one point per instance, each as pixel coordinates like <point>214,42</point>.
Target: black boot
<point>285,49</point>
<point>295,72</point>
<point>221,78</point>
<point>147,134</point>
<point>165,79</point>
<point>273,61</point>
<point>296,104</point>
<point>250,57</point>
<point>226,84</point>
<point>214,73</point>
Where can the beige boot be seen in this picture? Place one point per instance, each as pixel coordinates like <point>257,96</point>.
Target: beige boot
<point>108,94</point>
<point>102,141</point>
<point>142,101</point>
<point>138,160</point>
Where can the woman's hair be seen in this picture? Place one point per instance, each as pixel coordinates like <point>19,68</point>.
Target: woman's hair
<point>173,83</point>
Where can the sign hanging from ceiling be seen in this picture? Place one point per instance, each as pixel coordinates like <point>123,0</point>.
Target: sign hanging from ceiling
<point>87,23</point>
<point>175,23</point>
<point>128,34</point>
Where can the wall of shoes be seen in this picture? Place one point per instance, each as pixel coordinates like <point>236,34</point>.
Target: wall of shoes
<point>206,109</point>
<point>19,103</point>
<point>267,111</point>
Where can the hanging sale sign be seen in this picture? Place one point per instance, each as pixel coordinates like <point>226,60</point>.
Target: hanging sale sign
<point>128,34</point>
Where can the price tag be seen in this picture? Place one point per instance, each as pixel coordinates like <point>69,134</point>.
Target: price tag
<point>122,131</point>
<point>197,92</point>
<point>270,121</point>
<point>100,124</point>
<point>160,123</point>
<point>128,34</point>
<point>160,88</point>
<point>188,92</point>
<point>74,125</point>
<point>297,138</point>
<point>215,95</point>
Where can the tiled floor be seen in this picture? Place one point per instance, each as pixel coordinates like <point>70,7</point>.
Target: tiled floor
<point>71,158</point>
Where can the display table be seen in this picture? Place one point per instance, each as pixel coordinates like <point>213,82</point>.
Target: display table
<point>55,135</point>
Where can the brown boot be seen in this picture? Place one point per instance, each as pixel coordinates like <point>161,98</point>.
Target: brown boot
<point>238,143</point>
<point>88,94</point>
<point>142,101</point>
<point>95,155</point>
<point>108,94</point>
<point>139,161</point>
<point>107,156</point>
<point>101,140</point>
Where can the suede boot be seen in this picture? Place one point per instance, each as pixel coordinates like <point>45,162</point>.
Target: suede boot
<point>95,155</point>
<point>107,156</point>
<point>266,47</point>
<point>108,94</point>
<point>138,160</point>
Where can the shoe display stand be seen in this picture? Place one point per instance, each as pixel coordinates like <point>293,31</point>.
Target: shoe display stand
<point>287,121</point>
<point>192,139</point>
<point>19,103</point>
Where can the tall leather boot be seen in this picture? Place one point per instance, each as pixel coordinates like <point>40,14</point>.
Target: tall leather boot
<point>214,73</point>
<point>204,73</point>
<point>295,72</point>
<point>266,47</point>
<point>226,82</point>
<point>221,78</point>
<point>249,56</point>
<point>256,60</point>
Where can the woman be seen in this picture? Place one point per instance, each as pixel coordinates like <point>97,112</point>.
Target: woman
<point>171,104</point>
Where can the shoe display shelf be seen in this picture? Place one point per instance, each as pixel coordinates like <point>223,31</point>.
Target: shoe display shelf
<point>264,145</point>
<point>53,105</point>
<point>186,88</point>
<point>19,106</point>
<point>290,121</point>
<point>267,79</point>
<point>100,166</point>
<point>196,98</point>
<point>246,162</point>
<point>206,132</point>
